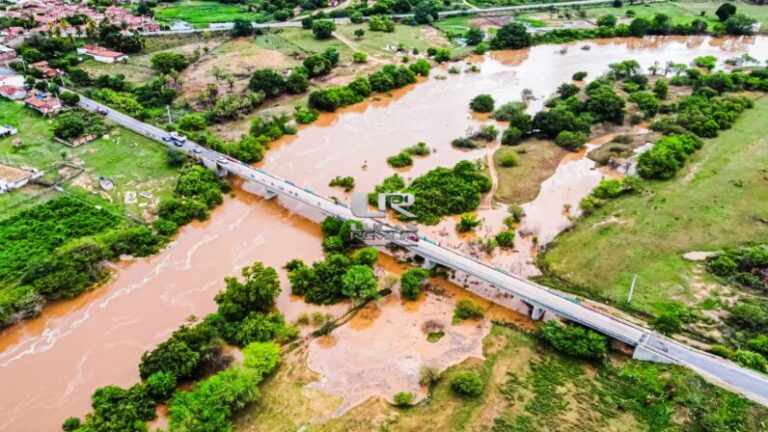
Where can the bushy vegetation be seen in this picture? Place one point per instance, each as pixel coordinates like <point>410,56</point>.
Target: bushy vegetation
<point>244,318</point>
<point>467,383</point>
<point>412,281</point>
<point>745,265</point>
<point>390,77</point>
<point>339,275</point>
<point>483,103</point>
<point>346,182</point>
<point>467,309</point>
<point>667,156</point>
<point>441,191</point>
<point>400,160</point>
<point>607,189</point>
<point>574,340</point>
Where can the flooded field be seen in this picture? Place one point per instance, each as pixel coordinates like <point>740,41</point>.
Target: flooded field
<point>53,363</point>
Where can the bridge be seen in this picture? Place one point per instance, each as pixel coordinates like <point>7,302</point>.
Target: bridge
<point>647,345</point>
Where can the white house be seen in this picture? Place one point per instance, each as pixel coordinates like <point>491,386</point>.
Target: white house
<point>13,178</point>
<point>102,55</point>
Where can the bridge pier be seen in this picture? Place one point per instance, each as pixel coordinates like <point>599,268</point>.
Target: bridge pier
<point>220,171</point>
<point>537,313</point>
<point>429,264</point>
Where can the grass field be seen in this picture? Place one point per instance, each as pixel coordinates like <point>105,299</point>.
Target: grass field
<point>521,183</point>
<point>135,72</point>
<point>375,43</point>
<point>296,41</point>
<point>135,163</point>
<point>527,386</point>
<point>719,199</point>
<point>681,12</point>
<point>202,13</point>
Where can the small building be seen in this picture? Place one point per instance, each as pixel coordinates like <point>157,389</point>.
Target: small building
<point>13,178</point>
<point>12,92</point>
<point>45,105</point>
<point>7,53</point>
<point>101,54</point>
<point>46,70</point>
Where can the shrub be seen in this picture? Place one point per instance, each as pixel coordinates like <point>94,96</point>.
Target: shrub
<point>262,357</point>
<point>751,360</point>
<point>579,76</point>
<point>359,57</point>
<point>412,281</point>
<point>468,222</point>
<point>467,383</point>
<point>400,160</point>
<point>348,182</point>
<point>511,136</point>
<point>323,29</point>
<point>403,399</point>
<point>571,140</point>
<point>482,103</point>
<point>509,160</point>
<point>574,340</point>
<point>467,309</point>
<point>506,238</point>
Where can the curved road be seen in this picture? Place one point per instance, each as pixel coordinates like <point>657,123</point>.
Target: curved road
<point>651,345</point>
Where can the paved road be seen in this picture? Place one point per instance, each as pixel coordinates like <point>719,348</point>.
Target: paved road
<point>722,372</point>
<point>226,26</point>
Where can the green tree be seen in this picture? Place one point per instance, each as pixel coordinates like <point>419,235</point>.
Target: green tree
<point>412,281</point>
<point>323,29</point>
<point>69,126</point>
<point>467,383</point>
<point>740,25</point>
<point>725,11</point>
<point>511,36</point>
<point>257,293</point>
<point>607,21</point>
<point>506,238</point>
<point>209,406</point>
<point>161,385</point>
<point>262,357</point>
<point>271,83</point>
<point>482,103</point>
<point>751,360</point>
<point>359,33</point>
<point>574,340</point>
<point>242,27</point>
<point>167,62</point>
<point>359,282</point>
<point>605,104</point>
<point>661,89</point>
<point>474,36</point>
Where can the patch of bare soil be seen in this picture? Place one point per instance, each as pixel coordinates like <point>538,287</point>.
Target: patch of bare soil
<point>239,57</point>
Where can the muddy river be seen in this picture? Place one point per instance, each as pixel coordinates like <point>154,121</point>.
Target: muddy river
<point>51,365</point>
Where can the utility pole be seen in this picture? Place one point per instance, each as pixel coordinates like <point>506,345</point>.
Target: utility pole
<point>632,288</point>
<point>168,110</point>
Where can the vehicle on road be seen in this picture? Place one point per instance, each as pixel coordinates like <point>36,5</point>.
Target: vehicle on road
<point>221,160</point>
<point>178,137</point>
<point>197,150</point>
<point>102,111</point>
<point>166,138</point>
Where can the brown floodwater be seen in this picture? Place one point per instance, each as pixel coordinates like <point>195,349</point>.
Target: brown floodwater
<point>50,365</point>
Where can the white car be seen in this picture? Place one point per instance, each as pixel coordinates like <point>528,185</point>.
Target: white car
<point>177,137</point>
<point>197,150</point>
<point>222,160</point>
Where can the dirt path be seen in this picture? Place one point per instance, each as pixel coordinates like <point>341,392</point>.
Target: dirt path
<point>354,47</point>
<point>488,199</point>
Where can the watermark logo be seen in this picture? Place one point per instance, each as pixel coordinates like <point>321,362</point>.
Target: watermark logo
<point>375,232</point>
<point>396,201</point>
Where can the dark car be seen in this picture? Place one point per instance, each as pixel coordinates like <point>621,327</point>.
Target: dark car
<point>102,111</point>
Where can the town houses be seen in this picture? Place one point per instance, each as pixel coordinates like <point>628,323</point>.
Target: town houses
<point>50,17</point>
<point>101,54</point>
